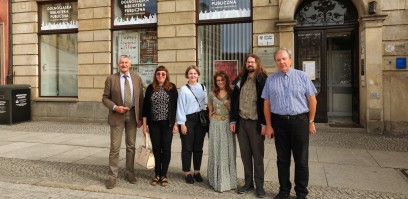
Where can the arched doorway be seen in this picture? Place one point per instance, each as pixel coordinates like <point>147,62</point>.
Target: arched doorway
<point>326,47</point>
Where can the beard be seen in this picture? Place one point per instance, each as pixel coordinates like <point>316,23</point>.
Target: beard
<point>250,69</point>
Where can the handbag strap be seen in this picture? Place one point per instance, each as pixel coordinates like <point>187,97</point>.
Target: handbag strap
<point>194,94</point>
<point>148,142</point>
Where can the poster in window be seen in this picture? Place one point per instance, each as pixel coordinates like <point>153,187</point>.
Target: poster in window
<point>131,12</point>
<point>309,67</point>
<point>129,45</point>
<point>148,47</point>
<point>59,16</point>
<point>224,9</point>
<point>146,72</point>
<point>229,66</point>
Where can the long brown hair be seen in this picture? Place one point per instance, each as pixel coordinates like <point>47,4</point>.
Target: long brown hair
<point>259,69</point>
<point>216,88</point>
<point>167,85</point>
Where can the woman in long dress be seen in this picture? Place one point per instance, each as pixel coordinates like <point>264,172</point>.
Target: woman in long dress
<point>222,172</point>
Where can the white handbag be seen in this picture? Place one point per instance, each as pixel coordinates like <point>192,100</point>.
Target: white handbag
<point>145,157</point>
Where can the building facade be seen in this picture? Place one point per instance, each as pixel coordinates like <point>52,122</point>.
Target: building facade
<point>354,50</point>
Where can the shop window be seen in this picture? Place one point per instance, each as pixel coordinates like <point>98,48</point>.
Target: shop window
<point>58,49</point>
<point>135,35</point>
<point>224,37</point>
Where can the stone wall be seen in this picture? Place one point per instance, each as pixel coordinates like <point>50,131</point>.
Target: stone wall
<point>395,44</point>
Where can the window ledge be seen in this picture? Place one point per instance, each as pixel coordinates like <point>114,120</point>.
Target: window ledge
<point>62,99</point>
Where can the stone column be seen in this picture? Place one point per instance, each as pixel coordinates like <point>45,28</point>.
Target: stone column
<point>176,37</point>
<point>94,48</point>
<point>373,110</point>
<point>286,35</point>
<point>25,44</point>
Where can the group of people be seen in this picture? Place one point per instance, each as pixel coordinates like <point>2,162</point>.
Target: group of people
<point>281,106</point>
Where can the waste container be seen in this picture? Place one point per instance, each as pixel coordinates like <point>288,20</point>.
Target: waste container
<point>15,103</point>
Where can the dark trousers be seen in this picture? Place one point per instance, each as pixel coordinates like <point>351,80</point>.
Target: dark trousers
<point>251,145</point>
<point>292,136</point>
<point>161,136</point>
<point>192,143</point>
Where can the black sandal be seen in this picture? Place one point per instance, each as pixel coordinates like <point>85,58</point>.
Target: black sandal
<point>164,181</point>
<point>155,181</point>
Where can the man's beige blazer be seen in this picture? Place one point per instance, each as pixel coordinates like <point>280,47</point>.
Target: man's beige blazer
<point>112,96</point>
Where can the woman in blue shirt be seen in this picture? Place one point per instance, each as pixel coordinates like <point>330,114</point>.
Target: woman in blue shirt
<point>192,99</point>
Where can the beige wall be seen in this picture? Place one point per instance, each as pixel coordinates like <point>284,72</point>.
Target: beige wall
<point>383,91</point>
<point>395,81</point>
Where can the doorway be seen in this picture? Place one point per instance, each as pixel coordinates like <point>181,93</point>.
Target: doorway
<point>332,53</point>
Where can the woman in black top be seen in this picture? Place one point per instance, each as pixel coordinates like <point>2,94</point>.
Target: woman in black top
<point>159,114</point>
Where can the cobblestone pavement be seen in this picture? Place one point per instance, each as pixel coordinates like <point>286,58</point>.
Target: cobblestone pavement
<point>325,136</point>
<point>90,178</point>
<point>18,191</point>
<point>45,179</point>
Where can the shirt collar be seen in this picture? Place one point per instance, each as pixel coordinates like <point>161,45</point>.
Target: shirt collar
<point>122,74</point>
<point>289,73</point>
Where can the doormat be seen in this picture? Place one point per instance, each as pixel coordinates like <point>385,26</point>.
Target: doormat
<point>345,125</point>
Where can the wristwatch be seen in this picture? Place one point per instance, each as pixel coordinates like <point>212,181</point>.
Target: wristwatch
<point>311,121</point>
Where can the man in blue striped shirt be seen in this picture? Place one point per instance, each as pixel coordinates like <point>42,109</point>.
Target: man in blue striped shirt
<point>289,108</point>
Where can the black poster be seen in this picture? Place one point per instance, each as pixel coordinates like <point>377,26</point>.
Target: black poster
<point>130,12</point>
<point>59,16</point>
<point>224,9</point>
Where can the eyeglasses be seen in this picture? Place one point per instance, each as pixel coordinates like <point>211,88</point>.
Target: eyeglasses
<point>161,74</point>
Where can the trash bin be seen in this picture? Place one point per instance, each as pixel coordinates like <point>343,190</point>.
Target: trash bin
<point>15,103</point>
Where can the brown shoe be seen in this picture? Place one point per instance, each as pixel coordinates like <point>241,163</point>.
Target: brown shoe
<point>110,183</point>
<point>130,177</point>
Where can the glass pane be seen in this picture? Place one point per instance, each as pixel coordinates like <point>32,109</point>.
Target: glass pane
<point>309,51</point>
<point>339,82</point>
<point>130,12</point>
<point>326,12</point>
<point>59,16</point>
<point>210,9</point>
<point>223,46</point>
<point>59,65</point>
<point>141,46</point>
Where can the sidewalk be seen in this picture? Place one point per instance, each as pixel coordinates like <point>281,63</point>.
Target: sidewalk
<point>344,163</point>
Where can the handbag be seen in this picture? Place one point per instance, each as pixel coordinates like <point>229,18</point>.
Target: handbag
<point>204,118</point>
<point>203,114</point>
<point>145,157</point>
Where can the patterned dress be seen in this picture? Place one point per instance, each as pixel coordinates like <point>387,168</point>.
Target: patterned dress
<point>221,171</point>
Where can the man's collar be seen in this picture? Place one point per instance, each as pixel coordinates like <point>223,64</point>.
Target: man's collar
<point>122,74</point>
<point>290,71</point>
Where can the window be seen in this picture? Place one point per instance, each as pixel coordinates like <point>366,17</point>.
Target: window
<point>326,12</point>
<point>224,37</point>
<point>58,49</point>
<point>223,47</point>
<point>141,46</point>
<point>135,35</point>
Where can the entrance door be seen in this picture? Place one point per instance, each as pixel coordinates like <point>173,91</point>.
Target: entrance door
<point>332,55</point>
<point>339,76</point>
<point>310,52</point>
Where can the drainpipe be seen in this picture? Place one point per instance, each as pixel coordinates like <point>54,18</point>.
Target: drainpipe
<point>10,46</point>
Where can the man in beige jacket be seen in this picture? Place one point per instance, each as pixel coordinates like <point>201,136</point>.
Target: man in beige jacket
<point>123,96</point>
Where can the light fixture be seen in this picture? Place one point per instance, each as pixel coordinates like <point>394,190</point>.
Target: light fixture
<point>372,7</point>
